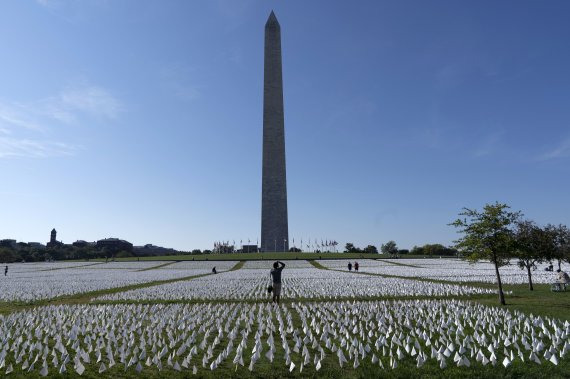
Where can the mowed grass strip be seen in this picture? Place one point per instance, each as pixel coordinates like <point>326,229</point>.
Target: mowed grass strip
<point>159,266</point>
<point>70,267</point>
<point>393,262</point>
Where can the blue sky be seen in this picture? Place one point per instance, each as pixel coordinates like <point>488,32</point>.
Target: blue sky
<point>143,119</point>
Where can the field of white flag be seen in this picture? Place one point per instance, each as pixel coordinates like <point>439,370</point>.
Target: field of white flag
<point>33,281</point>
<point>131,319</point>
<point>453,270</point>
<point>251,284</point>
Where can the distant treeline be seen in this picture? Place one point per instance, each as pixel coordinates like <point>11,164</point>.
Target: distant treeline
<point>23,252</point>
<point>390,248</point>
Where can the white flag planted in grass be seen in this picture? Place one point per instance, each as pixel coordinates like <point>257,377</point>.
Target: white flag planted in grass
<point>291,367</point>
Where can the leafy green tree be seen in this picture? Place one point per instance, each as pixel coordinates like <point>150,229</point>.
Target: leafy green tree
<point>350,248</point>
<point>417,250</point>
<point>438,249</point>
<point>8,255</point>
<point>389,248</point>
<point>488,235</point>
<point>533,245</point>
<point>561,235</point>
<point>370,249</point>
<point>433,249</point>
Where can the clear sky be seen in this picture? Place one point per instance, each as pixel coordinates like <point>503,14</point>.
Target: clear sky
<point>143,119</point>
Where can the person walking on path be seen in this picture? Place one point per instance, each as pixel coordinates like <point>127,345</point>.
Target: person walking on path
<point>6,270</point>
<point>356,266</point>
<point>275,275</point>
<point>214,270</point>
<point>349,266</point>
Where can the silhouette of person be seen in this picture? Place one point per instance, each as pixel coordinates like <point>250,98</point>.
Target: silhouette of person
<point>275,275</point>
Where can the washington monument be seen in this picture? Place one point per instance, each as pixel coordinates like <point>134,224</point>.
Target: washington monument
<point>274,225</point>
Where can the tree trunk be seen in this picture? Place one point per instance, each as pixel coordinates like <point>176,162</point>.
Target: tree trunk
<point>501,294</point>
<point>559,261</point>
<point>529,278</point>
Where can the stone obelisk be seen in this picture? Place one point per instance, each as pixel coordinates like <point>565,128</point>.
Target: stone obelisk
<point>274,225</point>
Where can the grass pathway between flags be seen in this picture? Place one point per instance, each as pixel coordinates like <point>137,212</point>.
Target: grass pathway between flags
<point>159,266</point>
<point>68,267</point>
<point>393,262</point>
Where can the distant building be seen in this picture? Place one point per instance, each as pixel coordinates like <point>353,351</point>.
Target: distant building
<point>53,242</point>
<point>114,245</point>
<point>150,249</point>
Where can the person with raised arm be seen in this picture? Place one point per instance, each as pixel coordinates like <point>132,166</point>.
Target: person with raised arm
<point>275,275</point>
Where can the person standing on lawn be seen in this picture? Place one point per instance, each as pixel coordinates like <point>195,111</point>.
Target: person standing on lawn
<point>275,275</point>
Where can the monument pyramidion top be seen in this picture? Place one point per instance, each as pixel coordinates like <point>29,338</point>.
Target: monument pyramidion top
<point>272,21</point>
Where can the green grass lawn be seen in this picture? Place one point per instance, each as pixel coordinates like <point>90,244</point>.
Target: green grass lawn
<point>541,301</point>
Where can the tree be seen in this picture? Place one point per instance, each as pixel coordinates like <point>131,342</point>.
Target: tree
<point>124,254</point>
<point>350,248</point>
<point>533,245</point>
<point>433,249</point>
<point>417,250</point>
<point>9,255</point>
<point>561,235</point>
<point>488,235</point>
<point>370,249</point>
<point>389,248</point>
